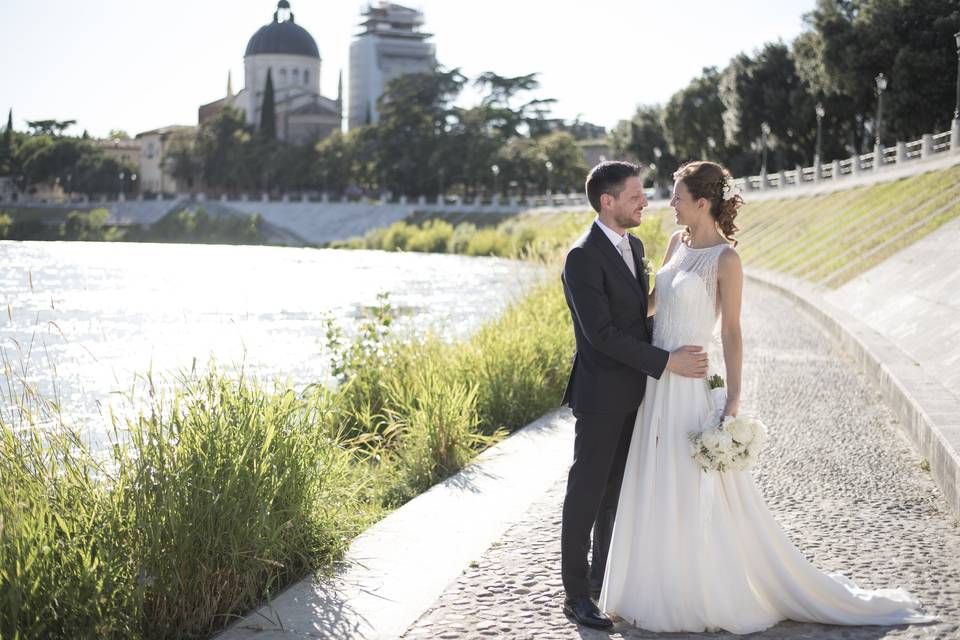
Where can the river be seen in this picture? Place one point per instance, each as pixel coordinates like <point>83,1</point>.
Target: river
<point>84,321</point>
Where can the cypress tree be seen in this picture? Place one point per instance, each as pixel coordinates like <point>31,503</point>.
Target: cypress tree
<point>268,115</point>
<point>6,146</point>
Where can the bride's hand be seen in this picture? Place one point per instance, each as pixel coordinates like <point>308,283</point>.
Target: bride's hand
<point>731,408</point>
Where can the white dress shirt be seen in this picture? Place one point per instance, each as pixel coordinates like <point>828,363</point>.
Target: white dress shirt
<point>615,237</point>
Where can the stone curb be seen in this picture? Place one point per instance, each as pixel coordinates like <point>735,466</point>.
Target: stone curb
<point>395,570</point>
<point>929,413</point>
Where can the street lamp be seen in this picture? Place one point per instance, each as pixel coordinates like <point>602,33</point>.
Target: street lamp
<point>881,81</point>
<point>764,132</point>
<point>122,176</point>
<point>549,166</point>
<point>956,109</point>
<point>820,113</point>
<point>495,170</point>
<point>133,180</point>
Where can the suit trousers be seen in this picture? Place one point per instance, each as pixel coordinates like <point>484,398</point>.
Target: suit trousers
<point>600,450</point>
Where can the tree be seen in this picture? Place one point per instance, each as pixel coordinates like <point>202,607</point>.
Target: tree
<point>501,91</point>
<point>848,42</point>
<point>644,139</point>
<point>183,162</point>
<point>268,114</point>
<point>6,147</point>
<point>766,88</point>
<point>413,132</point>
<point>693,120</point>
<point>50,127</point>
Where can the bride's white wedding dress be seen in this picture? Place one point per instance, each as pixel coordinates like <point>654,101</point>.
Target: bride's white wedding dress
<point>695,551</point>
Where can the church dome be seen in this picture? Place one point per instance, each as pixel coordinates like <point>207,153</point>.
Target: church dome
<point>283,36</point>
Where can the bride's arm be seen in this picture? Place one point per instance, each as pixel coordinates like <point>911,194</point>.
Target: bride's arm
<point>730,290</point>
<point>652,301</point>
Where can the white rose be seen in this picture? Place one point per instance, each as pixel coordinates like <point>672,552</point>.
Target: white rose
<point>741,430</point>
<point>711,439</point>
<point>725,441</point>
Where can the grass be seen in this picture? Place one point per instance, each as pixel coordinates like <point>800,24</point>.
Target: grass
<point>530,235</point>
<point>831,238</point>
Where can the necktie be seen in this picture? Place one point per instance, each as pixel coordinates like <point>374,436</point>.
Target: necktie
<point>627,254</point>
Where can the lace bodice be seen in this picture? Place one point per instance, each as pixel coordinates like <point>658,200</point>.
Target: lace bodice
<point>686,291</point>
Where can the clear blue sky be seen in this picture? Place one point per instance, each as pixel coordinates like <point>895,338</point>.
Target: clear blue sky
<point>138,65</point>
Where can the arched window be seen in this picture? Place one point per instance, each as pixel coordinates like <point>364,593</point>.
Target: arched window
<point>283,75</point>
<point>296,76</point>
<point>306,76</point>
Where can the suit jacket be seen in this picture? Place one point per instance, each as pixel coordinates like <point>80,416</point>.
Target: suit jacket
<point>609,309</point>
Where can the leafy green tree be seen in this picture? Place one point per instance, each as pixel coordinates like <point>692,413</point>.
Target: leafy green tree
<point>501,93</point>
<point>183,162</point>
<point>567,167</point>
<point>767,88</point>
<point>644,139</point>
<point>50,127</point>
<point>415,110</point>
<point>848,42</point>
<point>693,120</point>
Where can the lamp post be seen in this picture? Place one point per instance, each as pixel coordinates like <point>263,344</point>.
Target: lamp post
<point>133,182</point>
<point>817,156</point>
<point>956,108</point>
<point>881,81</point>
<point>549,167</point>
<point>495,170</point>
<point>121,176</point>
<point>764,132</point>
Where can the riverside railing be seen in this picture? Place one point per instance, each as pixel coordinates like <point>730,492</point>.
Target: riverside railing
<point>928,147</point>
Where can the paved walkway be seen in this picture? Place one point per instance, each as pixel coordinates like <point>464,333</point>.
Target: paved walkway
<point>838,474</point>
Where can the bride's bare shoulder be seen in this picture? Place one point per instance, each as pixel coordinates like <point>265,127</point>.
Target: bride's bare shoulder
<point>729,262</point>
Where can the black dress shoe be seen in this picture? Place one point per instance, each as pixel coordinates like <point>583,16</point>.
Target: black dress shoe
<point>583,611</point>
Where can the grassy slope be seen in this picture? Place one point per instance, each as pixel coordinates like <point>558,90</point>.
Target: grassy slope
<point>830,239</point>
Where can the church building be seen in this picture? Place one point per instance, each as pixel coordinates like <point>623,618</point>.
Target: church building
<point>289,54</point>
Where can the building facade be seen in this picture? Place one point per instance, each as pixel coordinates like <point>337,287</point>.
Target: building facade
<point>155,176</point>
<point>390,45</point>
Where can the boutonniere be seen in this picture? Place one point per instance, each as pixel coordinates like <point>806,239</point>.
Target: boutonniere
<point>647,266</point>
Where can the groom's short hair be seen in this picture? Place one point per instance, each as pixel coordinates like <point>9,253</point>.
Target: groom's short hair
<point>608,177</point>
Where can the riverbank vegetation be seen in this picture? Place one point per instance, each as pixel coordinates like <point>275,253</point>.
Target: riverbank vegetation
<point>529,235</point>
<point>226,490</point>
<point>187,225</point>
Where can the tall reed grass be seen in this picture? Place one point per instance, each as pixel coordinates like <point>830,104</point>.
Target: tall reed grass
<point>226,490</point>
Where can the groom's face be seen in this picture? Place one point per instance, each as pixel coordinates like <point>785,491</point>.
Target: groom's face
<point>627,208</point>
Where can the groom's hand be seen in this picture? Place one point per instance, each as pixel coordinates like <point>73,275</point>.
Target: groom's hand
<point>689,361</point>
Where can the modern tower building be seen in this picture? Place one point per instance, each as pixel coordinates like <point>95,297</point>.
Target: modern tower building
<point>390,45</point>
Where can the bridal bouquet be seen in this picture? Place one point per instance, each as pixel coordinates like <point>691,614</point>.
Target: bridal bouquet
<point>726,442</point>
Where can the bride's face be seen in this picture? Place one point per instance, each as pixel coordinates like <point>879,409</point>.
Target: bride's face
<point>687,210</point>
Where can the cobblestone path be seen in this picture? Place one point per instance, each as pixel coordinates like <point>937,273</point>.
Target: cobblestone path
<point>841,479</point>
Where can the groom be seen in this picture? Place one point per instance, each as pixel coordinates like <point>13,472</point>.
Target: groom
<point>606,290</point>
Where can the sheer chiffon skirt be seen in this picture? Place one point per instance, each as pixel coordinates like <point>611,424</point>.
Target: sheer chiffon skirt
<point>696,551</point>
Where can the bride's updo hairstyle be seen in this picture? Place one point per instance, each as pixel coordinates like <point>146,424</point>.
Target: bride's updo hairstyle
<point>714,183</point>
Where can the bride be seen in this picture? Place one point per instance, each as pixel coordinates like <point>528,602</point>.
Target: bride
<point>694,550</point>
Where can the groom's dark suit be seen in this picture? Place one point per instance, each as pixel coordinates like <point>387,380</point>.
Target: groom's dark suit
<point>610,368</point>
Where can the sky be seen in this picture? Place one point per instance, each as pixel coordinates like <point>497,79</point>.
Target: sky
<point>137,65</point>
